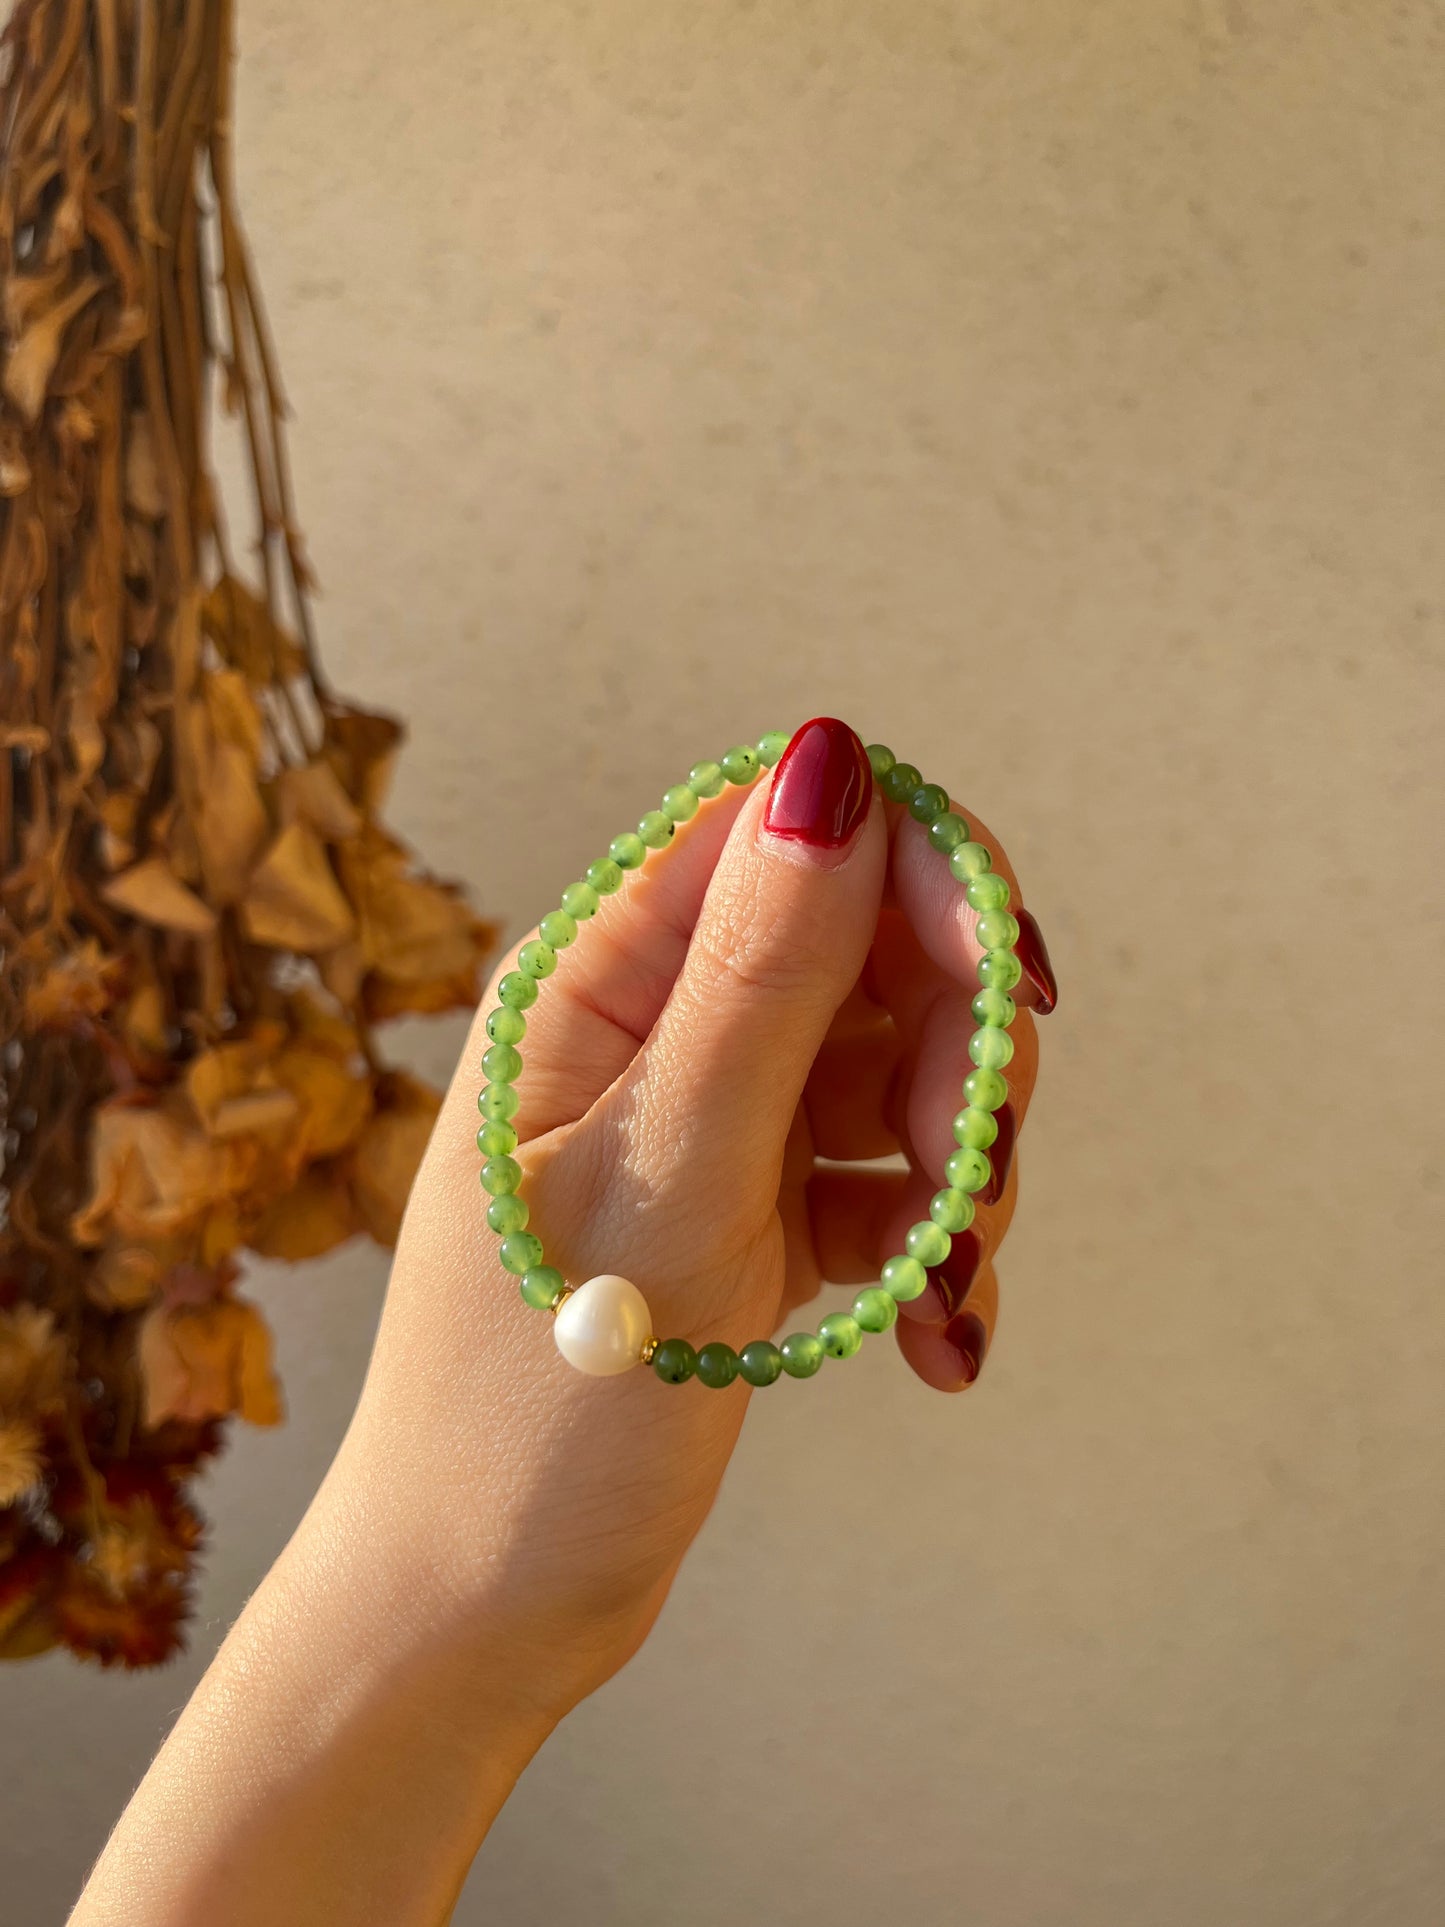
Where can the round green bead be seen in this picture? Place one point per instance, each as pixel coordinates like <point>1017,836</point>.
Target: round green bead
<point>656,830</point>
<point>802,1354</point>
<point>540,1285</point>
<point>771,747</point>
<point>900,782</point>
<point>841,1334</point>
<point>674,1360</point>
<point>988,891</point>
<point>991,1049</point>
<point>880,760</point>
<point>679,804</point>
<point>508,1214</point>
<point>706,779</point>
<point>975,1129</point>
<point>875,1309</point>
<point>999,970</point>
<point>717,1365</point>
<point>905,1277</point>
<point>519,1251</point>
<point>946,832</point>
<point>501,1176</point>
<point>604,876</point>
<point>506,1026</point>
<point>994,1007</point>
<point>927,801</point>
<point>628,851</point>
<point>969,860</point>
<point>496,1138</point>
<point>951,1209</point>
<point>536,959</point>
<point>985,1088</point>
<point>517,990</point>
<point>501,1063</point>
<point>760,1363</point>
<point>928,1242</point>
<point>968,1168</point>
<point>998,930</point>
<point>498,1101</point>
<point>579,902</point>
<point>740,766</point>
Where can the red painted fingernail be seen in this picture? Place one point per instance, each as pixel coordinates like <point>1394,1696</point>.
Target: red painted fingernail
<point>948,1284</point>
<point>1000,1155</point>
<point>969,1339</point>
<point>822,787</point>
<point>1033,955</point>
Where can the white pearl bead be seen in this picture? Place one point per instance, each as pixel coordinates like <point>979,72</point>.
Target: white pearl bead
<point>602,1328</point>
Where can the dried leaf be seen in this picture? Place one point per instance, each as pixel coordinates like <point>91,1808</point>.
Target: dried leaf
<point>294,901</point>
<point>154,893</point>
<point>205,1361</point>
<point>76,986</point>
<point>313,794</point>
<point>33,358</point>
<point>385,1161</point>
<point>314,1217</point>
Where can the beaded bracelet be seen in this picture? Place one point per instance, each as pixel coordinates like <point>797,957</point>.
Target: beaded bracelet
<point>603,1326</point>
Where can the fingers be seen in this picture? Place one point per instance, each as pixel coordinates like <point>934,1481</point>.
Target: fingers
<point>847,1095</point>
<point>950,1357</point>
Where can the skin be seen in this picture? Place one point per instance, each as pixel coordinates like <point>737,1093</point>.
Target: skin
<point>497,1533</point>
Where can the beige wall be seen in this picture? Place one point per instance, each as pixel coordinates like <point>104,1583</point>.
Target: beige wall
<point>1056,391</point>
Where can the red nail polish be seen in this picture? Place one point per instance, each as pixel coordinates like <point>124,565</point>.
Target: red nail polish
<point>822,786</point>
<point>1000,1155</point>
<point>950,1283</point>
<point>967,1336</point>
<point>1033,955</point>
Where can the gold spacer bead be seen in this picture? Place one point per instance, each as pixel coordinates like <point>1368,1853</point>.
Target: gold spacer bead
<point>560,1300</point>
<point>648,1349</point>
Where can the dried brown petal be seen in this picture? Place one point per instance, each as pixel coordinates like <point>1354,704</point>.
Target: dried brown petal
<point>203,1361</point>
<point>152,891</point>
<point>294,901</point>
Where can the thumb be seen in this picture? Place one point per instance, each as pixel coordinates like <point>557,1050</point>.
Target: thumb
<point>782,935</point>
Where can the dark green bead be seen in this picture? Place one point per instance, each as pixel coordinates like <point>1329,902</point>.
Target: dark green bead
<point>674,1360</point>
<point>841,1334</point>
<point>540,1285</point>
<point>968,1169</point>
<point>499,1101</point>
<point>994,1007</point>
<point>905,1277</point>
<point>628,851</point>
<point>655,829</point>
<point>900,782</point>
<point>679,804</point>
<point>927,802</point>
<point>771,747</point>
<point>947,832</point>
<point>991,1049</point>
<point>880,760</point>
<point>999,970</point>
<point>875,1309</point>
<point>500,1176</point>
<point>927,1242</point>
<point>536,959</point>
<point>604,876</point>
<point>986,1089</point>
<point>502,1063</point>
<point>508,1214</point>
<point>717,1365</point>
<point>706,779</point>
<point>989,891</point>
<point>506,1026</point>
<point>520,1251</point>
<point>760,1363</point>
<point>998,930</point>
<point>496,1138</point>
<point>740,766</point>
<point>951,1209</point>
<point>517,990</point>
<point>968,860</point>
<point>975,1129</point>
<point>802,1354</point>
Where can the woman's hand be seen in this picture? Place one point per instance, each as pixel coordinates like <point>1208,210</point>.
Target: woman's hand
<point>780,997</point>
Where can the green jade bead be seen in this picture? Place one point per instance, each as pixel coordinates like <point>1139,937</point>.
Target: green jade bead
<point>540,1285</point>
<point>880,760</point>
<point>706,779</point>
<point>628,851</point>
<point>969,860</point>
<point>604,876</point>
<point>987,891</point>
<point>579,902</point>
<point>517,990</point>
<point>506,1026</point>
<point>717,1365</point>
<point>656,830</point>
<point>986,1089</point>
<point>508,1213</point>
<point>496,1139</point>
<point>999,970</point>
<point>928,1243</point>
<point>740,766</point>
<point>994,1007</point>
<point>679,804</point>
<point>991,1049</point>
<point>968,1169</point>
<point>906,1277</point>
<point>760,1363</point>
<point>501,1063</point>
<point>559,928</point>
<point>952,1210</point>
<point>901,782</point>
<point>927,802</point>
<point>975,1129</point>
<point>498,1101</point>
<point>519,1251</point>
<point>946,832</point>
<point>771,747</point>
<point>674,1360</point>
<point>501,1176</point>
<point>841,1334</point>
<point>802,1354</point>
<point>875,1309</point>
<point>998,930</point>
<point>536,959</point>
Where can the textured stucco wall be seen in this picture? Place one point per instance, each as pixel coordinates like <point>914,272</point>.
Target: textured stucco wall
<point>1055,390</point>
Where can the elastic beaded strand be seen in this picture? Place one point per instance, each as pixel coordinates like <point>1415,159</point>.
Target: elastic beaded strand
<point>602,1326</point>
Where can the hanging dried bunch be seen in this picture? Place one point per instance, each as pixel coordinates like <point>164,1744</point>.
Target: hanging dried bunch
<point>201,914</point>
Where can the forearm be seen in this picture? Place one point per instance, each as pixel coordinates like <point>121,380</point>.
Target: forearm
<point>342,1760</point>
